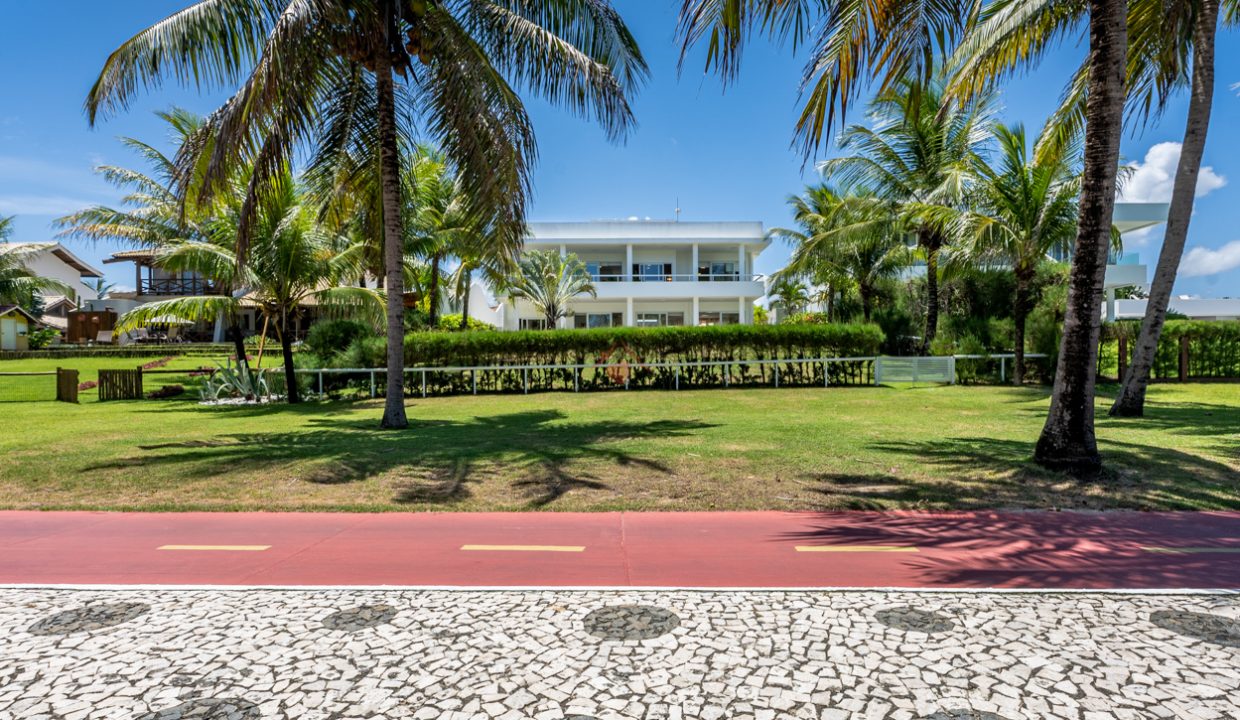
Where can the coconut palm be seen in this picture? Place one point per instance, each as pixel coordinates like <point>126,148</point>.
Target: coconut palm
<point>791,292</point>
<point>549,282</point>
<point>292,263</point>
<point>1023,208</point>
<point>152,215</point>
<point>918,154</point>
<point>846,235</point>
<point>324,75</point>
<point>18,285</point>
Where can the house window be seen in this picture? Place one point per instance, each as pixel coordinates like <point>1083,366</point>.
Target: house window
<point>598,320</point>
<point>660,319</point>
<point>533,323</point>
<point>719,318</point>
<point>718,271</point>
<point>605,271</point>
<point>651,272</point>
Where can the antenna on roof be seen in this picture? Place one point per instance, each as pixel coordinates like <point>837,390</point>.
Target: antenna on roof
<point>677,209</point>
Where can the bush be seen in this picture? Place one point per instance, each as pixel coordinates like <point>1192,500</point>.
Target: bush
<point>327,338</point>
<point>1213,347</point>
<point>42,338</point>
<point>738,345</point>
<point>452,322</point>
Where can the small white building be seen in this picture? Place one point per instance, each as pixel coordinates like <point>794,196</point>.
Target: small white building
<point>55,261</point>
<point>652,273</point>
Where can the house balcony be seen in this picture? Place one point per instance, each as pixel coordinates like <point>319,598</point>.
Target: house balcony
<point>177,287</point>
<point>674,286</point>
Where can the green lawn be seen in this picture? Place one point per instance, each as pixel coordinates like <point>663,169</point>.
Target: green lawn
<point>909,447</point>
<point>44,387</point>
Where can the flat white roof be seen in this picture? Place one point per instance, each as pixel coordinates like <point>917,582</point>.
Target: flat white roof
<point>648,231</point>
<point>1134,216</point>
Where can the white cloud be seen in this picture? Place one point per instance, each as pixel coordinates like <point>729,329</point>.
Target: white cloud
<point>1200,262</point>
<point>41,204</point>
<point>1151,180</point>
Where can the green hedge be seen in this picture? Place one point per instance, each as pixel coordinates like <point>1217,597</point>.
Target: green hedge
<point>737,345</point>
<point>1213,348</point>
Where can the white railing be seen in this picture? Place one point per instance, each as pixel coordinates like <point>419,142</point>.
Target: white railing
<point>886,368</point>
<point>671,277</point>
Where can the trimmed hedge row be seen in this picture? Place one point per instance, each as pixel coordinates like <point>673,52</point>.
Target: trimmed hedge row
<point>1213,347</point>
<point>737,345</point>
<point>136,350</point>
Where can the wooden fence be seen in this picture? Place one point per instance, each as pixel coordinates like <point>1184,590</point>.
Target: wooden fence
<point>66,385</point>
<point>120,384</point>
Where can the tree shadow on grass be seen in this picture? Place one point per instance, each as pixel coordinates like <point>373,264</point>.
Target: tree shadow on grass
<point>537,453</point>
<point>992,473</point>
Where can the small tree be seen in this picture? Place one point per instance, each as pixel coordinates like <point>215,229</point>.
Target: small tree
<point>549,282</point>
<point>18,285</point>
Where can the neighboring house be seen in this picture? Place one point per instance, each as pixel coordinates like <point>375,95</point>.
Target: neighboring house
<point>56,309</point>
<point>652,273</point>
<point>15,325</point>
<point>1123,269</point>
<point>1193,308</point>
<point>55,261</point>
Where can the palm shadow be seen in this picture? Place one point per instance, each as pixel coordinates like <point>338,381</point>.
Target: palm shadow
<point>538,453</point>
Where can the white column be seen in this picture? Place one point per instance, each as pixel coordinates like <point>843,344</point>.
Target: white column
<point>628,264</point>
<point>693,270</point>
<point>630,319</point>
<point>563,251</point>
<point>740,262</point>
<point>740,306</point>
<point>1110,304</point>
<point>696,318</point>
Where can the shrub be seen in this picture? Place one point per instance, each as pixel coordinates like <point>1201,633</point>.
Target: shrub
<point>42,338</point>
<point>1213,347</point>
<point>329,337</point>
<point>452,322</point>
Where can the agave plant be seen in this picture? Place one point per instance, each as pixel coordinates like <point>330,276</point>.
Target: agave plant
<point>238,382</point>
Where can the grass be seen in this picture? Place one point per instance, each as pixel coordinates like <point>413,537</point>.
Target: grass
<point>908,447</point>
<point>43,387</point>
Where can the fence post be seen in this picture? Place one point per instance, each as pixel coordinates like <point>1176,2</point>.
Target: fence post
<point>1183,358</point>
<point>951,368</point>
<point>372,384</point>
<point>826,375</point>
<point>525,380</point>
<point>576,379</point>
<point>727,375</point>
<point>1003,370</point>
<point>677,377</point>
<point>423,382</point>
<point>473,377</point>
<point>777,374</point>
<point>320,383</point>
<point>878,370</point>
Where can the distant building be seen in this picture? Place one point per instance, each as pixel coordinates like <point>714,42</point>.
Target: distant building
<point>652,273</point>
<point>1193,308</point>
<point>55,261</point>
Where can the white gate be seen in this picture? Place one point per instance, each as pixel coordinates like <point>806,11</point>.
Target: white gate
<point>915,369</point>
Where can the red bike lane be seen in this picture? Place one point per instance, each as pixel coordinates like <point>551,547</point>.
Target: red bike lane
<point>1027,550</point>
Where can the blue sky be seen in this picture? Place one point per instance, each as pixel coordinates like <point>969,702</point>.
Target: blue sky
<point>720,155</point>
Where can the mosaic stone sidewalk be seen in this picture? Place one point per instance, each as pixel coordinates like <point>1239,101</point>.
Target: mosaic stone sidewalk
<point>320,655</point>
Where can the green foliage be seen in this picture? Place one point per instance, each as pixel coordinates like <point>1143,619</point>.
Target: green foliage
<point>738,345</point>
<point>327,338</point>
<point>452,323</point>
<point>235,382</point>
<point>1213,347</point>
<point>807,318</point>
<point>761,316</point>
<point>42,338</point>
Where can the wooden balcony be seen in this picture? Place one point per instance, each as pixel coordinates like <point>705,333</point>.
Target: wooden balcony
<point>177,287</point>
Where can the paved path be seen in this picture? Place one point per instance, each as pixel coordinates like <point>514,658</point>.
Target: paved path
<point>651,655</point>
<point>763,549</point>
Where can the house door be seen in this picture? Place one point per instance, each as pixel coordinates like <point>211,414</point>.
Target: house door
<point>8,334</point>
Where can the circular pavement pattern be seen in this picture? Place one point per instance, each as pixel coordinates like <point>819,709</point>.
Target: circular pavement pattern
<point>911,619</point>
<point>963,715</point>
<point>1217,629</point>
<point>359,618</point>
<point>207,709</point>
<point>631,622</point>
<point>89,618</point>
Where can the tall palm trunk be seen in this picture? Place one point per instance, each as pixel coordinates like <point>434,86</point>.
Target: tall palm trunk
<point>393,252</point>
<point>1020,316</point>
<point>932,244</point>
<point>867,300</point>
<point>469,281</point>
<point>286,348</point>
<point>433,292</point>
<point>1131,400</point>
<point>1067,441</point>
<point>238,338</point>
<point>830,302</point>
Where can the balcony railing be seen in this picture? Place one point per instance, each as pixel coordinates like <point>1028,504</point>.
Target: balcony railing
<point>673,277</point>
<point>178,286</point>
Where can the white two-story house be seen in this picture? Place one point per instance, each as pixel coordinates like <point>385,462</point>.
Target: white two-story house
<point>652,273</point>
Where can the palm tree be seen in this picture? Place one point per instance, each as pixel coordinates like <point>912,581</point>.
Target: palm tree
<point>849,235</point>
<point>791,291</point>
<point>152,216</point>
<point>101,287</point>
<point>324,75</point>
<point>549,282</point>
<point>918,155</point>
<point>1131,400</point>
<point>18,285</point>
<point>486,252</point>
<point>1022,209</point>
<point>292,263</point>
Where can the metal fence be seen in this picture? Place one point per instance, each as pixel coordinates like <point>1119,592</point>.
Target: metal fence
<point>668,375</point>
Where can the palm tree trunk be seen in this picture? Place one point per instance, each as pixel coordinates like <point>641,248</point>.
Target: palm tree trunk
<point>393,250</point>
<point>286,348</point>
<point>469,281</point>
<point>1067,441</point>
<point>830,302</point>
<point>238,338</point>
<point>433,293</point>
<point>1020,314</point>
<point>931,246</point>
<point>866,301</point>
<point>1131,399</point>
